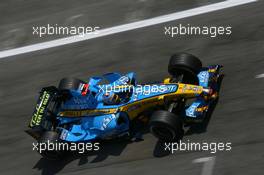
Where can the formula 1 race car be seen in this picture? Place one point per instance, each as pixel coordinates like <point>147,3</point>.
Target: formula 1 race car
<point>104,107</point>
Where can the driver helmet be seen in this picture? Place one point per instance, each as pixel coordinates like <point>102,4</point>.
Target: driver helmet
<point>111,98</point>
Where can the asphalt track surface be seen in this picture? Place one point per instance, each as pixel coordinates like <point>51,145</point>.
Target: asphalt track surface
<point>237,118</point>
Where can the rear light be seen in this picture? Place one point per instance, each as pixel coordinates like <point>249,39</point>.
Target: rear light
<point>85,89</point>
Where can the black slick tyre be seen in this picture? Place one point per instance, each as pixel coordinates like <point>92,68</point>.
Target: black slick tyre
<point>186,66</point>
<point>166,126</point>
<point>48,141</point>
<point>69,84</point>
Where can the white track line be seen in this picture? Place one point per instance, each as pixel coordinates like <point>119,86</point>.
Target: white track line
<point>260,76</point>
<point>125,27</point>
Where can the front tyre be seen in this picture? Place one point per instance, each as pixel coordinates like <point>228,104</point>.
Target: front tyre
<point>184,68</point>
<point>166,126</point>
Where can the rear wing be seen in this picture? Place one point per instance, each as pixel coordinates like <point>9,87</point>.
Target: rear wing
<point>41,119</point>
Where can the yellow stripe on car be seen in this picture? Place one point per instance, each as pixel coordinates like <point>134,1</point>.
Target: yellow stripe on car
<point>137,107</point>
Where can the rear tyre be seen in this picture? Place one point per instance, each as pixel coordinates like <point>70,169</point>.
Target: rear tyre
<point>166,126</point>
<point>184,68</point>
<point>70,84</point>
<point>48,140</point>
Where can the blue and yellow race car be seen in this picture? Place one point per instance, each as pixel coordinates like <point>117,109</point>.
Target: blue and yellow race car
<point>105,107</point>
